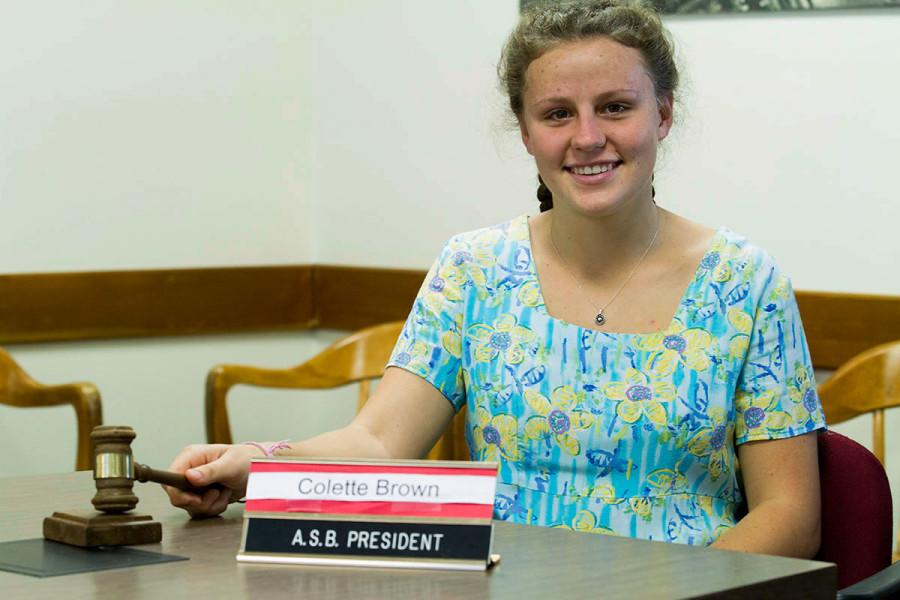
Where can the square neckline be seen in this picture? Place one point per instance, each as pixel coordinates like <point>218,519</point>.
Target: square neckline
<point>542,307</point>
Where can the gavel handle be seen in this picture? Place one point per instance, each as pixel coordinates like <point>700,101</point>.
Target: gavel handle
<point>143,473</point>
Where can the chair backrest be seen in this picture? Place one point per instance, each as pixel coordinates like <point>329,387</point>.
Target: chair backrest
<point>856,509</point>
<point>868,382</point>
<point>357,358</point>
<point>18,389</point>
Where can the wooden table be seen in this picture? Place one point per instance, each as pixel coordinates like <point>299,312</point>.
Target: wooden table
<point>537,562</point>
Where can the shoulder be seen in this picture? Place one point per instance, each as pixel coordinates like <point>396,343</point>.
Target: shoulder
<point>740,254</point>
<point>485,246</point>
<point>514,229</point>
<point>472,262</point>
<point>748,271</point>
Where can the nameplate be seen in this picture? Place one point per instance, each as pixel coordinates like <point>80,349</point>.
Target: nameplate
<point>431,514</point>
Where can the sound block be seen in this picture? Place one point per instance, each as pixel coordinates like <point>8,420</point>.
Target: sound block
<point>91,529</point>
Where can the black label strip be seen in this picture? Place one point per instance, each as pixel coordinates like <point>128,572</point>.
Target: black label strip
<point>367,538</point>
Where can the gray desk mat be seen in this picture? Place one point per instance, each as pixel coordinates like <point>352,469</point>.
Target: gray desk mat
<point>42,558</point>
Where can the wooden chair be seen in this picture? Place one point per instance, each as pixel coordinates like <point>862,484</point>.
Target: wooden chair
<point>867,383</point>
<point>18,389</point>
<point>357,358</point>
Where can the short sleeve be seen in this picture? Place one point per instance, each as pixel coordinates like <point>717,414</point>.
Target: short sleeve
<point>776,392</point>
<point>430,344</point>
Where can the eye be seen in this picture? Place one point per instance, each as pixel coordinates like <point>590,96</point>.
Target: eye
<point>558,114</point>
<point>615,108</point>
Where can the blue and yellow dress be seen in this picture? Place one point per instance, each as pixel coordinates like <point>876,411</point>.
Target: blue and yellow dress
<point>626,434</point>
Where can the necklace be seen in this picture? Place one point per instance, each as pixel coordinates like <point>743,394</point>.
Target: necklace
<point>600,319</point>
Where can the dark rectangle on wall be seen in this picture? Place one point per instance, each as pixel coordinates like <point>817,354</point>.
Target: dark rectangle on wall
<point>355,297</point>
<point>112,304</point>
<point>741,7</point>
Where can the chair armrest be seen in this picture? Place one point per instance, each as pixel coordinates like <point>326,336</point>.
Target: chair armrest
<point>882,585</point>
<point>89,414</point>
<point>222,378</point>
<point>85,399</point>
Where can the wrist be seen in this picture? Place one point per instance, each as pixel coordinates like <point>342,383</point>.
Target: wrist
<point>268,449</point>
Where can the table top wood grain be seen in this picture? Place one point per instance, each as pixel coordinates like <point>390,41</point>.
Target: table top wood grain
<point>536,562</point>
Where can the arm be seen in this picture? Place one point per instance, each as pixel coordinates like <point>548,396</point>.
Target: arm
<point>403,419</point>
<point>781,483</point>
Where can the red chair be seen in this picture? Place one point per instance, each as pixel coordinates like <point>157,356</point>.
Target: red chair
<point>856,509</point>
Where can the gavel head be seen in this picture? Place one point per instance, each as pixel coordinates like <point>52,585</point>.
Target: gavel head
<point>113,468</point>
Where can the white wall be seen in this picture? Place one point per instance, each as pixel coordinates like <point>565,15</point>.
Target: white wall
<point>786,134</point>
<point>185,134</point>
<point>136,135</point>
<point>147,135</point>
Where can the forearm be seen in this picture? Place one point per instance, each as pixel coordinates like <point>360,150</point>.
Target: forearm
<point>403,419</point>
<point>352,441</point>
<point>776,527</point>
<point>404,422</point>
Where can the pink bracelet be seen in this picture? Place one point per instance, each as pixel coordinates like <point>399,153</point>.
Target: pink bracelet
<point>270,450</point>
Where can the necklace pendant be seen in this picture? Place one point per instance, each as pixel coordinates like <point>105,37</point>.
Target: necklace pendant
<point>600,319</point>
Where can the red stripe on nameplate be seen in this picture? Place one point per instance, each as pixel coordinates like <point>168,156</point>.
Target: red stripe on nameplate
<point>399,509</point>
<point>298,467</point>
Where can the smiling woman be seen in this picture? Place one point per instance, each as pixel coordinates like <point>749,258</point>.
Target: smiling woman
<point>633,372</point>
<point>592,120</point>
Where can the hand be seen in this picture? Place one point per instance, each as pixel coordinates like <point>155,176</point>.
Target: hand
<point>205,464</point>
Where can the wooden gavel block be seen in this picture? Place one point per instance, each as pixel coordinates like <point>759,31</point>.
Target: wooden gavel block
<point>114,475</point>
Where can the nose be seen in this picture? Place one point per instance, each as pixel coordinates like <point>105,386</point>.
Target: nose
<point>589,134</point>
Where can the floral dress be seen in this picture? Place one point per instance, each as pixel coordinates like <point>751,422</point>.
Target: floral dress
<point>625,434</point>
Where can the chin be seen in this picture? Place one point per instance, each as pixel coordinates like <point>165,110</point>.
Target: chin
<point>598,208</point>
<point>606,204</point>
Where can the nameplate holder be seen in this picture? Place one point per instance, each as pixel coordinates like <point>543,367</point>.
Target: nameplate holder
<point>404,514</point>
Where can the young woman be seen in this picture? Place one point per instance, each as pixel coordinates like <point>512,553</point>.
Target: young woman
<point>634,373</point>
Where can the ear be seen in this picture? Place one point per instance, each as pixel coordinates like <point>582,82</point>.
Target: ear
<point>665,107</point>
<point>526,138</point>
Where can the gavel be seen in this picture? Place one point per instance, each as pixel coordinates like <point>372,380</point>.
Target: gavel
<point>115,471</point>
<point>114,475</point>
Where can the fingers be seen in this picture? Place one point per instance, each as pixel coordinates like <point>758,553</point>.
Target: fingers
<point>213,502</point>
<point>219,504</point>
<point>185,500</point>
<point>209,464</point>
<point>190,457</point>
<point>196,455</point>
<point>230,468</point>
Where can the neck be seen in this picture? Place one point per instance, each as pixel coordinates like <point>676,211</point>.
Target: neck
<point>602,247</point>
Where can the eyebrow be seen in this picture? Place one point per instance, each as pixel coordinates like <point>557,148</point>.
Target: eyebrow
<point>563,99</point>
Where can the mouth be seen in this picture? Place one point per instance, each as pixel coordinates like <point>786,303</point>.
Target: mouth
<point>598,168</point>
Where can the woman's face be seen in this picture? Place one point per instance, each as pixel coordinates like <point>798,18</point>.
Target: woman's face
<point>592,121</point>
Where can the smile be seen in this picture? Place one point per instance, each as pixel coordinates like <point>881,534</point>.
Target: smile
<point>593,169</point>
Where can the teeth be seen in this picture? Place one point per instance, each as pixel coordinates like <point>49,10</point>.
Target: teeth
<point>593,170</point>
